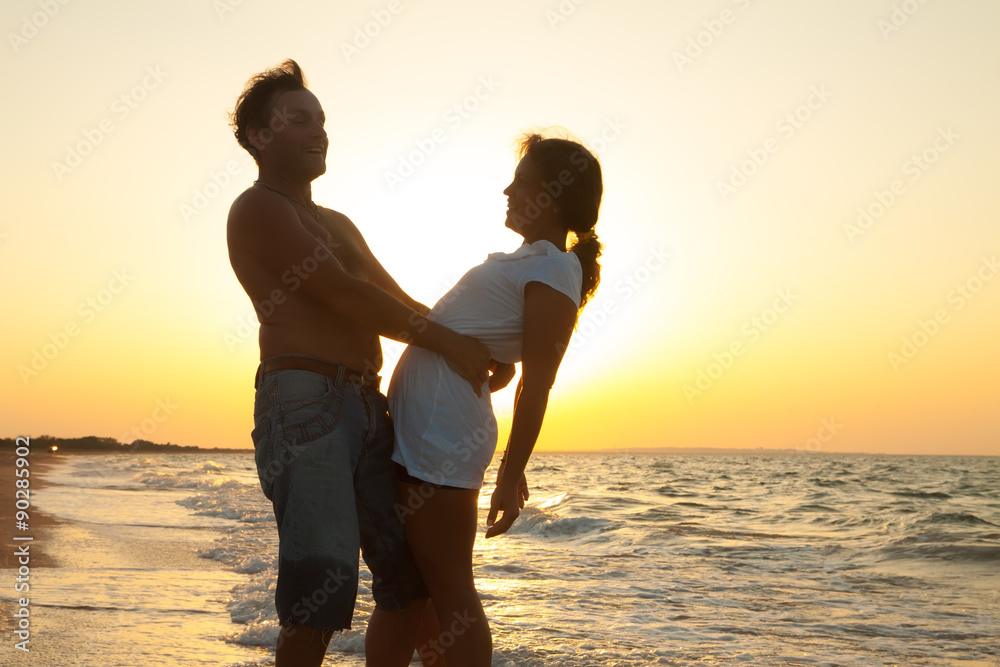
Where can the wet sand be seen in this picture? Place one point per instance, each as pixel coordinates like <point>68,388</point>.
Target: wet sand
<point>112,595</point>
<point>39,523</point>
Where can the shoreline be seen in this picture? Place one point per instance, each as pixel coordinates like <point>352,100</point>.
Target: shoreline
<point>39,523</point>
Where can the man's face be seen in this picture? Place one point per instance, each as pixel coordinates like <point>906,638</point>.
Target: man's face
<point>294,142</point>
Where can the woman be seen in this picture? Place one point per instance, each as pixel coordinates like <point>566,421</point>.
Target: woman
<point>523,306</point>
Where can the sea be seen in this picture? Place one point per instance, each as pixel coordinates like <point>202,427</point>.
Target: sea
<point>618,560</point>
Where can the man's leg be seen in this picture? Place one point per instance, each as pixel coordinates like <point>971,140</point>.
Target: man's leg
<point>317,431</point>
<point>301,646</point>
<point>397,588</point>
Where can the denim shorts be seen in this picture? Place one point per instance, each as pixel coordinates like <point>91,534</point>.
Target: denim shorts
<point>322,447</point>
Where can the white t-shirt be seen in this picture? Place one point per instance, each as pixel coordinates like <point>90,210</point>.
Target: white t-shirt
<point>445,434</point>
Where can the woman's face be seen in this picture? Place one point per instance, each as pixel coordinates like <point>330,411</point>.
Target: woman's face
<point>528,202</point>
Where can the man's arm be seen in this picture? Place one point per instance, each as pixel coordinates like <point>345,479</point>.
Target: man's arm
<point>268,228</point>
<point>377,273</point>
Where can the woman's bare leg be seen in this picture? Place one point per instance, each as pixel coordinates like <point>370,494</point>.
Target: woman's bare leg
<point>441,532</point>
<point>429,631</point>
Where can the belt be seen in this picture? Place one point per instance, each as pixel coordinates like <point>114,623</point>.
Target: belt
<point>338,372</point>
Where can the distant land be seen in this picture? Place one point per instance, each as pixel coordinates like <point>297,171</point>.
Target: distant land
<point>724,451</point>
<point>95,445</point>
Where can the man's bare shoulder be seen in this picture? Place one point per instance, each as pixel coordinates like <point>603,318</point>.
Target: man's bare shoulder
<point>257,213</point>
<point>338,224</point>
<point>254,203</point>
<point>336,217</point>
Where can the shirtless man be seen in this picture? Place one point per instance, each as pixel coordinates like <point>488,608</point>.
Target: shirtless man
<point>321,434</point>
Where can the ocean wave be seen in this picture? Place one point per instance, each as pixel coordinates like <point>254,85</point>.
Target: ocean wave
<point>961,518</point>
<point>256,633</point>
<point>812,552</point>
<point>952,552</point>
<point>205,475</point>
<point>672,491</point>
<point>920,494</point>
<point>829,482</point>
<point>944,545</point>
<point>211,505</point>
<point>813,508</point>
<point>537,521</point>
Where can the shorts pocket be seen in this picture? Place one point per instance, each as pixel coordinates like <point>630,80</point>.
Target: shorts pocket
<point>263,442</point>
<point>310,409</point>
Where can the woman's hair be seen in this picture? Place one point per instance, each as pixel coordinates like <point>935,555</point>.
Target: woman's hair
<point>571,175</point>
<point>253,108</point>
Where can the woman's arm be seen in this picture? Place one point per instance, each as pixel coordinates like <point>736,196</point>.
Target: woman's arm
<point>549,317</point>
<point>522,484</point>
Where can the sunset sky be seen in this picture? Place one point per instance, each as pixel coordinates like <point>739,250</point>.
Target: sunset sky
<point>800,212</point>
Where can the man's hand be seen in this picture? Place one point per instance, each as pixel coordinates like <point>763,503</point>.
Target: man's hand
<point>470,359</point>
<point>500,375</point>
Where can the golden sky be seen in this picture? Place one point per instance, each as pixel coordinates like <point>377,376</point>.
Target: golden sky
<point>800,206</point>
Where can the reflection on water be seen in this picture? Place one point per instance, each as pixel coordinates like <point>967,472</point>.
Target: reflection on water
<point>617,561</point>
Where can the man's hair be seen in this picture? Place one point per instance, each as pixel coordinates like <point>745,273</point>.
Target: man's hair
<point>254,106</point>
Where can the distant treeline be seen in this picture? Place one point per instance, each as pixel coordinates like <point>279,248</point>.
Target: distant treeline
<point>93,443</point>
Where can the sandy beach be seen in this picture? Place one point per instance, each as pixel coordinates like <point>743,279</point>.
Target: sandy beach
<point>120,584</point>
<point>38,522</point>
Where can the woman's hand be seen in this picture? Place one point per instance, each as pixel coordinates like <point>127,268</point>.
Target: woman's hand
<point>507,499</point>
<point>522,484</point>
<point>502,501</point>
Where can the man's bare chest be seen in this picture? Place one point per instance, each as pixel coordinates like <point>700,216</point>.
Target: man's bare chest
<point>340,242</point>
